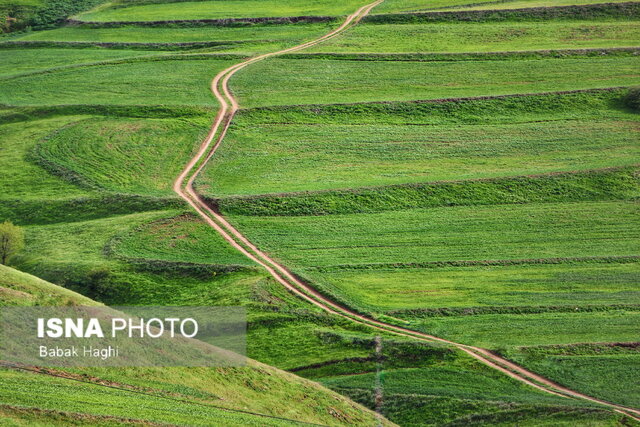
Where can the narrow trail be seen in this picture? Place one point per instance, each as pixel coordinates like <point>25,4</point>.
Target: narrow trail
<point>183,186</point>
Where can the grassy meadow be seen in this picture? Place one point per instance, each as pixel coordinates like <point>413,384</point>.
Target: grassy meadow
<point>395,6</point>
<point>300,81</point>
<point>194,10</point>
<point>484,37</point>
<point>468,177</point>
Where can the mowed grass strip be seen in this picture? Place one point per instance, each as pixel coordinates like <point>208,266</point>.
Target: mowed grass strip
<point>129,34</point>
<point>195,10</point>
<point>184,238</point>
<point>319,81</point>
<point>311,148</point>
<point>604,371</point>
<point>502,331</point>
<point>139,156</point>
<point>391,6</point>
<point>445,234</point>
<point>483,37</point>
<point>602,184</point>
<point>19,61</point>
<point>299,157</point>
<point>530,287</point>
<point>174,82</point>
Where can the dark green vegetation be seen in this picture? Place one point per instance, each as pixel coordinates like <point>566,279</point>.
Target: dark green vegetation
<point>507,222</point>
<point>17,15</point>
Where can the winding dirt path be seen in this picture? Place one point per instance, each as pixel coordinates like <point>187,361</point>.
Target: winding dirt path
<point>183,186</point>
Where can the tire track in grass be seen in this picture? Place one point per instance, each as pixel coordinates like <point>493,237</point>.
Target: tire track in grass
<point>183,186</point>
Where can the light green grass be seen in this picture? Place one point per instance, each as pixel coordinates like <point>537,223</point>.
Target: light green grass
<point>483,37</point>
<point>184,238</point>
<point>177,82</point>
<point>605,373</point>
<point>499,331</point>
<point>274,158</point>
<point>256,33</point>
<point>501,286</point>
<point>222,10</point>
<point>390,6</point>
<point>315,81</point>
<point>394,6</point>
<point>445,234</point>
<point>461,377</point>
<point>18,61</point>
<point>50,393</point>
<point>23,179</point>
<point>141,156</point>
<point>18,288</point>
<point>518,4</point>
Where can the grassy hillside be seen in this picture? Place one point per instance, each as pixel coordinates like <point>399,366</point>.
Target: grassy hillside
<point>195,396</point>
<point>507,222</point>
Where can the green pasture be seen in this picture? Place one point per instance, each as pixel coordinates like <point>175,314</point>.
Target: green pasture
<point>501,287</point>
<point>222,10</point>
<point>505,232</point>
<point>174,82</point>
<point>184,238</point>
<point>483,37</point>
<point>500,331</point>
<point>49,393</point>
<point>141,156</point>
<point>22,289</point>
<point>394,6</point>
<point>130,34</point>
<point>21,61</point>
<point>519,4</point>
<point>306,81</point>
<point>22,178</point>
<point>457,376</point>
<point>604,372</point>
<point>287,157</point>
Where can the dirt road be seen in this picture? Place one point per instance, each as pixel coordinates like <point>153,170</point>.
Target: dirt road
<point>183,186</point>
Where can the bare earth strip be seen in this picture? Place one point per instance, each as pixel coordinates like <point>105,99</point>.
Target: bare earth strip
<point>183,186</point>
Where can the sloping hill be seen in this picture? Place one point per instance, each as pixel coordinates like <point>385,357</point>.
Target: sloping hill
<point>253,395</point>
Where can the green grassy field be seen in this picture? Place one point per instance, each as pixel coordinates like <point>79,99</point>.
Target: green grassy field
<point>484,37</point>
<point>257,33</point>
<point>503,222</point>
<point>21,61</point>
<point>499,331</point>
<point>391,6</point>
<point>215,10</point>
<point>516,4</point>
<point>183,82</point>
<point>344,149</point>
<point>499,287</point>
<point>296,81</point>
<point>602,369</point>
<point>132,147</point>
<point>504,232</point>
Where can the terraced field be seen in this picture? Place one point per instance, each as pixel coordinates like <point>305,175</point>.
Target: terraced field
<point>469,175</point>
